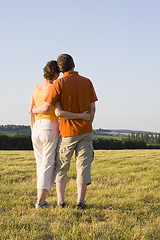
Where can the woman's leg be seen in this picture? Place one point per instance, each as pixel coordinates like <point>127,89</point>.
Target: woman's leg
<point>41,195</point>
<point>45,157</point>
<point>49,139</point>
<point>37,146</point>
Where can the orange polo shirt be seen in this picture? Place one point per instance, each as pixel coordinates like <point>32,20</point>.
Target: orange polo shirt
<point>75,93</point>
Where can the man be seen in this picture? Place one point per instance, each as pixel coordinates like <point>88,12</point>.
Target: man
<point>75,94</point>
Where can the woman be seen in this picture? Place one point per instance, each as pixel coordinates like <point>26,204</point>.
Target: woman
<point>45,133</point>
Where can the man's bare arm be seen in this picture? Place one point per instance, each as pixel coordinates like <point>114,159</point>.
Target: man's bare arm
<point>92,110</point>
<point>45,107</point>
<point>70,115</point>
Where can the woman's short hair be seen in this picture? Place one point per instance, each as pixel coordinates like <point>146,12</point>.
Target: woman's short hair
<point>65,63</point>
<point>50,70</point>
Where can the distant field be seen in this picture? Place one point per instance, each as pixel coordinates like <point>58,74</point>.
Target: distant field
<point>7,133</point>
<point>11,130</point>
<point>112,135</point>
<point>123,199</point>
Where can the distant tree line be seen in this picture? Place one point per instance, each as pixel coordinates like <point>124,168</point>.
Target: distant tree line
<point>16,142</point>
<point>23,142</point>
<point>106,144</point>
<point>146,137</point>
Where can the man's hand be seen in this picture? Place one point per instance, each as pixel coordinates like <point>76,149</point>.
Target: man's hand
<point>45,107</point>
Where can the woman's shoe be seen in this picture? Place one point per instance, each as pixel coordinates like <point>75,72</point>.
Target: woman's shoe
<point>42,205</point>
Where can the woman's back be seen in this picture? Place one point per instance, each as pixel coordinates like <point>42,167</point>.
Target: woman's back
<point>39,94</point>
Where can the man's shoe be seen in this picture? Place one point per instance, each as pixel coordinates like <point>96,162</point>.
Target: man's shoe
<point>81,206</point>
<point>62,205</point>
<point>42,205</point>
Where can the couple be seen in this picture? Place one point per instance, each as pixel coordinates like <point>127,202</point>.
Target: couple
<point>68,99</point>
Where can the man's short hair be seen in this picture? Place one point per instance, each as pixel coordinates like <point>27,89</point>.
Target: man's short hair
<point>65,63</point>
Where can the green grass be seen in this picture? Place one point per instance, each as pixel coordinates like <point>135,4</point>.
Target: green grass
<point>123,199</point>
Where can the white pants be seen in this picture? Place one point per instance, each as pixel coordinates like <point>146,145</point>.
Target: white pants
<point>45,138</point>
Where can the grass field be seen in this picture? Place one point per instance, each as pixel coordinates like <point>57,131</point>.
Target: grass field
<point>123,199</point>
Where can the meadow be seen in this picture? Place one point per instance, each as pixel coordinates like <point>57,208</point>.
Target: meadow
<point>123,200</point>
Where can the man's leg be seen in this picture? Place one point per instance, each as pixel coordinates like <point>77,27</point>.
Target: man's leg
<point>84,157</point>
<point>60,188</point>
<point>81,188</point>
<point>65,151</point>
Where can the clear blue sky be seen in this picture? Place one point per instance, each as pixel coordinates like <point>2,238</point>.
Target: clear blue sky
<point>114,43</point>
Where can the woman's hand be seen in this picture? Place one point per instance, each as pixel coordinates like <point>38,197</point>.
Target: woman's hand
<point>34,110</point>
<point>85,115</point>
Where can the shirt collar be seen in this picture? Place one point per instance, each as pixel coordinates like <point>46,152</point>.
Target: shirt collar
<point>70,73</point>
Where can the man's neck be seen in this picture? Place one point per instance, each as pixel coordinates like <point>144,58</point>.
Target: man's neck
<point>70,70</point>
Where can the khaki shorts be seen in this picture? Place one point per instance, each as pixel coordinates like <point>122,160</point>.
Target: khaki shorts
<point>82,144</point>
